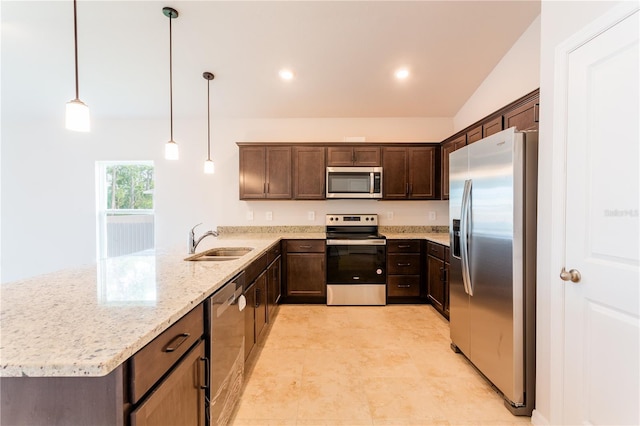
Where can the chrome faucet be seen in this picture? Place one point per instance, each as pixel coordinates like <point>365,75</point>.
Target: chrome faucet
<point>193,243</point>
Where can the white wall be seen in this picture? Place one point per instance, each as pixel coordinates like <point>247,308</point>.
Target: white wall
<point>559,21</point>
<point>517,74</point>
<point>48,181</point>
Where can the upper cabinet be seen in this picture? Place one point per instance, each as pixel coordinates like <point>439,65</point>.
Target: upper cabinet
<point>353,156</point>
<point>410,172</point>
<point>521,114</point>
<point>265,172</point>
<point>309,173</point>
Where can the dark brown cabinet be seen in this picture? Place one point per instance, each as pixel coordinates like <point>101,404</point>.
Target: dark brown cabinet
<point>353,156</point>
<point>523,117</point>
<point>404,267</point>
<point>274,282</point>
<point>305,271</point>
<point>474,134</point>
<point>447,148</point>
<point>438,278</point>
<point>409,173</point>
<point>255,313</point>
<point>492,126</point>
<point>179,398</point>
<point>309,173</point>
<point>265,172</point>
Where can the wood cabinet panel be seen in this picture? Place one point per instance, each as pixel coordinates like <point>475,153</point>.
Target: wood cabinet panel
<point>403,246</point>
<point>492,126</point>
<point>249,319</point>
<point>447,149</point>
<point>265,172</point>
<point>252,172</point>
<point>422,172</point>
<point>179,398</point>
<point>150,363</point>
<point>305,246</point>
<point>353,156</point>
<point>260,304</point>
<point>474,135</point>
<point>274,288</point>
<point>278,177</point>
<point>306,274</point>
<point>524,117</point>
<point>395,179</point>
<point>403,263</point>
<point>435,250</point>
<point>309,173</point>
<point>403,286</point>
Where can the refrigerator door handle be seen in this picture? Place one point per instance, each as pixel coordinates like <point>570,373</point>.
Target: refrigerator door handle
<point>465,220</point>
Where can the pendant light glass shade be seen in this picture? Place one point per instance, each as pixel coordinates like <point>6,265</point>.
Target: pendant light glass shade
<point>209,167</point>
<point>77,116</point>
<point>77,112</point>
<point>208,164</point>
<point>171,151</point>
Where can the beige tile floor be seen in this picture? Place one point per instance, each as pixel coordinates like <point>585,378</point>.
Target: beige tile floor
<point>386,365</point>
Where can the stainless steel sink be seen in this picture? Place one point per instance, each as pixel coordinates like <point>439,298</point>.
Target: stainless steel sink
<point>220,254</point>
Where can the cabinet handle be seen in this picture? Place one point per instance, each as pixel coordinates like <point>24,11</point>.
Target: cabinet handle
<point>404,264</point>
<point>180,339</point>
<point>536,113</point>
<point>267,187</point>
<point>443,275</point>
<point>305,247</point>
<point>257,297</point>
<point>207,372</point>
<point>406,189</point>
<point>404,285</point>
<point>403,246</point>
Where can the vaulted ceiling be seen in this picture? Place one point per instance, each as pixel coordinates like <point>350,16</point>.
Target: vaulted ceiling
<point>343,55</point>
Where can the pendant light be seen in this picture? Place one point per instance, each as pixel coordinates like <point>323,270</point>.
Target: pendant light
<point>171,148</point>
<point>77,112</point>
<point>209,167</point>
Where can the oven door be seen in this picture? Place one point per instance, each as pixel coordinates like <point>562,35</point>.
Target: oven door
<point>356,262</point>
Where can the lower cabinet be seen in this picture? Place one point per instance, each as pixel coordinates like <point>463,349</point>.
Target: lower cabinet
<point>404,271</point>
<point>179,398</point>
<point>438,277</point>
<point>306,280</point>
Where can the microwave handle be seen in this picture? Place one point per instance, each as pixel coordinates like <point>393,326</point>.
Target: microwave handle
<point>371,182</point>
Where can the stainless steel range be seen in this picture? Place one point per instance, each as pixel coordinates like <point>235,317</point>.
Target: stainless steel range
<point>356,260</point>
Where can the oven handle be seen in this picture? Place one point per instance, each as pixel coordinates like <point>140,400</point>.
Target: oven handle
<point>356,242</point>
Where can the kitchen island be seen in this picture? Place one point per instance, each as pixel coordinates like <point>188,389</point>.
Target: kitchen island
<point>77,328</point>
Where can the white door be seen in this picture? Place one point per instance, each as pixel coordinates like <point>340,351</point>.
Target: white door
<point>601,343</point>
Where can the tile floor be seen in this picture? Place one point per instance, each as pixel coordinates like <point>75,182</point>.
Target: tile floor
<point>386,365</point>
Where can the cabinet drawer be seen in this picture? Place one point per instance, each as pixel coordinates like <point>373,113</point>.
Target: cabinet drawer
<point>435,250</point>
<point>403,264</point>
<point>255,268</point>
<point>403,286</point>
<point>447,254</point>
<point>305,246</point>
<point>150,363</point>
<point>403,246</point>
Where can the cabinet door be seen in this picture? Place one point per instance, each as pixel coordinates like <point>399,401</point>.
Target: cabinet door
<point>422,172</point>
<point>179,398</point>
<point>491,127</point>
<point>447,149</point>
<point>395,180</point>
<point>278,168</point>
<point>524,117</point>
<point>339,156</point>
<point>306,274</point>
<point>366,156</point>
<point>274,289</point>
<point>252,172</point>
<point>446,289</point>
<point>249,320</point>
<point>260,303</point>
<point>474,135</point>
<point>435,282</point>
<point>309,173</point>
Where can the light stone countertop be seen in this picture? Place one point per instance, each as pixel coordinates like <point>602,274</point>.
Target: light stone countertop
<point>87,321</point>
<point>436,237</point>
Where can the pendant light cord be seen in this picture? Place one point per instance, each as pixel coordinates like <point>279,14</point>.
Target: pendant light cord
<point>75,42</point>
<point>170,78</point>
<point>208,122</point>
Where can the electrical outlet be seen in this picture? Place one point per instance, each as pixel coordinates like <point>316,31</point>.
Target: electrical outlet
<point>250,215</point>
<point>390,215</point>
<point>311,215</point>
<point>268,215</point>
<point>432,215</point>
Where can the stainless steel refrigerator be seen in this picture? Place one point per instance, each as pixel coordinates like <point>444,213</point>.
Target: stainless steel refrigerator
<point>492,222</point>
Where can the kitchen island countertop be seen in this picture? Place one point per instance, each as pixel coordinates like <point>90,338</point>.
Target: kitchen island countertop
<point>89,320</point>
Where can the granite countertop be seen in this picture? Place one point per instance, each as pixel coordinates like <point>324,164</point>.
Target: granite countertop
<point>436,237</point>
<point>87,321</point>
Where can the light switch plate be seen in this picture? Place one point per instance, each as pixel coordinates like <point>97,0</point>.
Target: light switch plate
<point>432,215</point>
<point>250,215</point>
<point>268,215</point>
<point>390,215</point>
<point>311,215</point>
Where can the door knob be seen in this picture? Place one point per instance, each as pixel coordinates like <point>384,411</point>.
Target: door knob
<point>572,275</point>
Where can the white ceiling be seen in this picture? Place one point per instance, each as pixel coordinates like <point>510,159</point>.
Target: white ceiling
<point>342,52</point>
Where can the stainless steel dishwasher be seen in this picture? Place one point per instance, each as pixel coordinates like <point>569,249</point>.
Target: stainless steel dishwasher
<point>226,350</point>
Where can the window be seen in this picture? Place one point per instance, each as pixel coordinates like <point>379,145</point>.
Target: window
<point>125,208</point>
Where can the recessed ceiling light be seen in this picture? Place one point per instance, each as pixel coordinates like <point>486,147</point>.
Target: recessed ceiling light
<point>286,74</point>
<point>401,73</point>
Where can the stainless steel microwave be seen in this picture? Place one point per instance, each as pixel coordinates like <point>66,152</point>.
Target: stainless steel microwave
<point>354,182</point>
